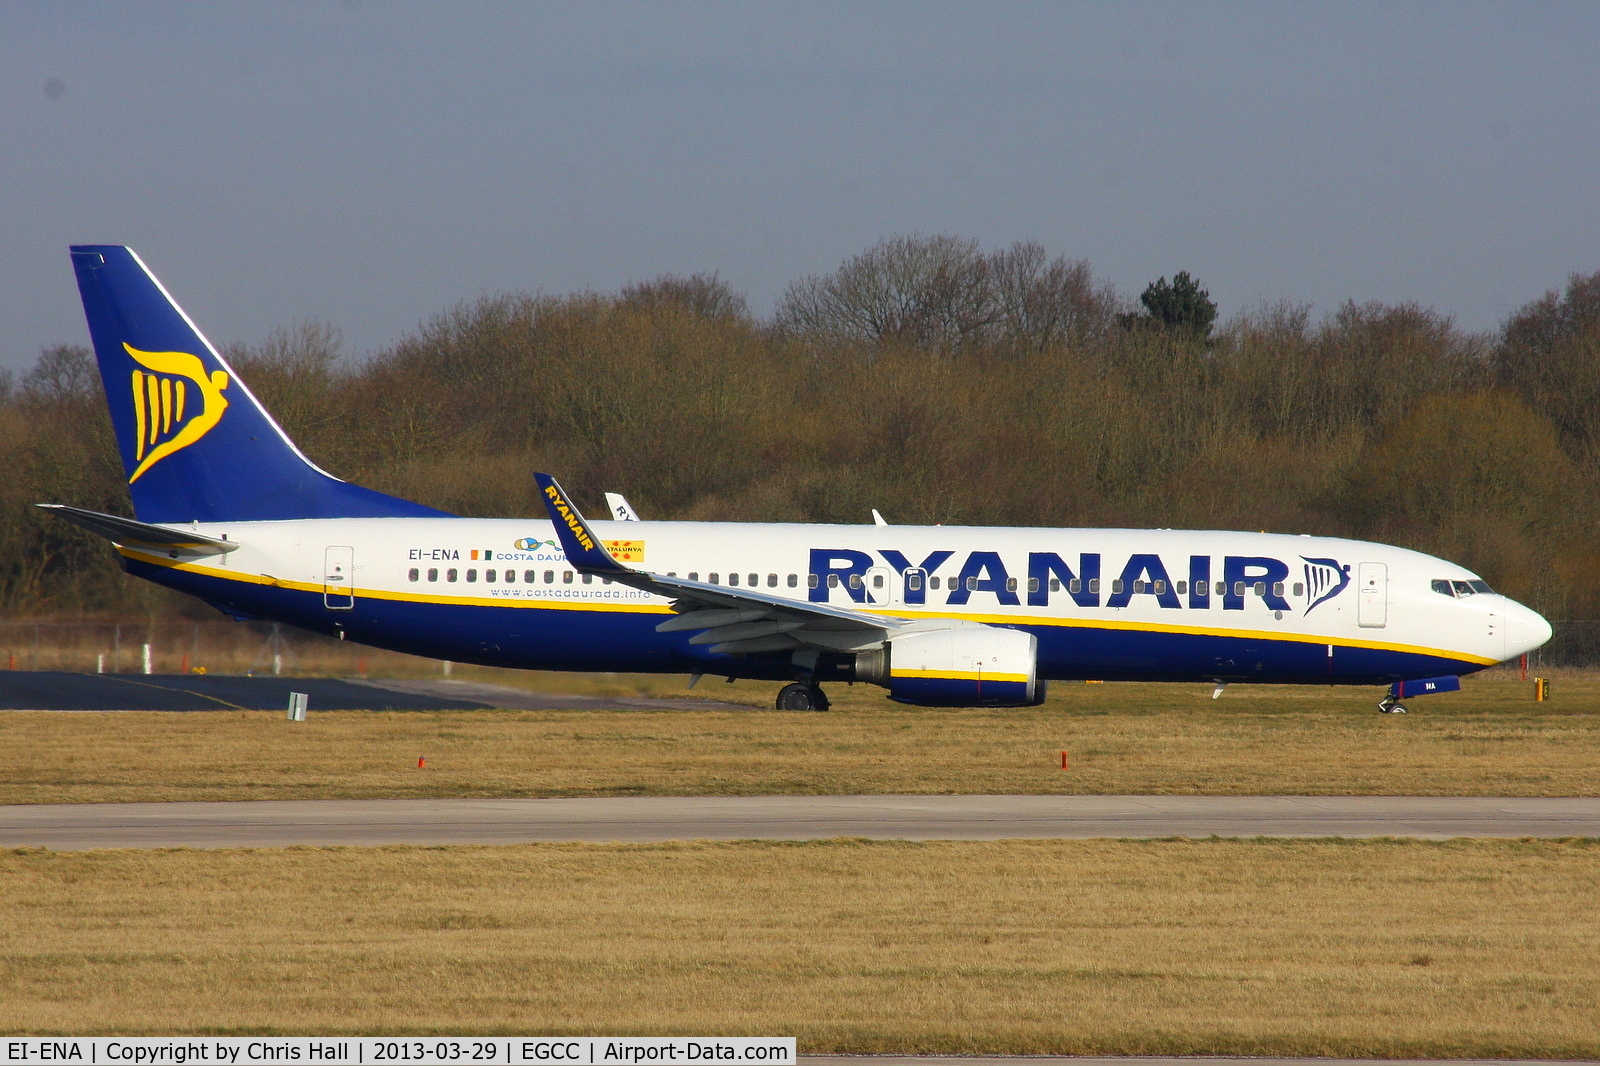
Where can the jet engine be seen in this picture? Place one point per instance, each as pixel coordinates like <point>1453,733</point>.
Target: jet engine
<point>966,666</point>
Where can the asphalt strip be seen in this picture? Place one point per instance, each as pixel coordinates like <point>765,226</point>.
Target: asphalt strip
<point>44,690</point>
<point>645,819</point>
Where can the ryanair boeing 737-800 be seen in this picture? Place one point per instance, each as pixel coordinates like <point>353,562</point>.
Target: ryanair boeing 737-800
<point>229,510</point>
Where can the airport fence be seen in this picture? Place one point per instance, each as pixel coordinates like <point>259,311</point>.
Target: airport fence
<point>1576,644</point>
<point>224,647</point>
<point>175,647</point>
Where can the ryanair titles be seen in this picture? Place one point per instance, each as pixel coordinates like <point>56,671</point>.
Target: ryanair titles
<point>565,511</point>
<point>1198,582</point>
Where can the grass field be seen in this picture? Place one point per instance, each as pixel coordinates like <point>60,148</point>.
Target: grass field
<point>1376,948</point>
<point>1490,739</point>
<point>1321,948</point>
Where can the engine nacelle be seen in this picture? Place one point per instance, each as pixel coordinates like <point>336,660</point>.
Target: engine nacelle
<point>969,666</point>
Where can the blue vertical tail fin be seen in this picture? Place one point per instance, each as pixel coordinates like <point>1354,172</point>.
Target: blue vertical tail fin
<point>196,445</point>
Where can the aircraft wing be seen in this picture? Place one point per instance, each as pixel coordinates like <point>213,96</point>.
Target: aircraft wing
<point>121,530</point>
<point>732,621</point>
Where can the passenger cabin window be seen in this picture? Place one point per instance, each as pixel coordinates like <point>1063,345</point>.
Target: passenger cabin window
<point>1299,589</point>
<point>450,574</point>
<point>914,582</point>
<point>549,577</point>
<point>772,581</point>
<point>1222,588</point>
<point>1011,584</point>
<point>755,579</point>
<point>1033,584</point>
<point>528,576</point>
<point>855,581</point>
<point>1238,588</point>
<point>1161,588</point>
<point>1094,586</point>
<point>1183,587</point>
<point>1277,588</point>
<point>472,575</point>
<point>1202,589</point>
<point>972,584</point>
<point>694,575</point>
<point>811,581</point>
<point>733,580</point>
<point>414,574</point>
<point>588,579</point>
<point>566,577</point>
<point>490,575</point>
<point>877,581</point>
<point>433,573</point>
<point>794,580</point>
<point>712,577</point>
<point>933,582</point>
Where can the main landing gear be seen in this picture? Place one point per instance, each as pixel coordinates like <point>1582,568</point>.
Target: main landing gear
<point>1391,704</point>
<point>799,697</point>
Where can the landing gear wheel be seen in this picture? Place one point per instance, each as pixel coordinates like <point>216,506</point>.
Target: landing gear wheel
<point>798,697</point>
<point>1390,705</point>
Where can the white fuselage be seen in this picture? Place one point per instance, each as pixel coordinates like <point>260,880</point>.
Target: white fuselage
<point>1112,603</point>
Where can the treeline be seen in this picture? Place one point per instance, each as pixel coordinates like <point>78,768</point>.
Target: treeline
<point>927,378</point>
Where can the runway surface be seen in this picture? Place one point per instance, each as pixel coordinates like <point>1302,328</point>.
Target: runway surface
<point>22,690</point>
<point>365,823</point>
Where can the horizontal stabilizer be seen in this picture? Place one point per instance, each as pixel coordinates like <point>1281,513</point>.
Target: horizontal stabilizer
<point>120,530</point>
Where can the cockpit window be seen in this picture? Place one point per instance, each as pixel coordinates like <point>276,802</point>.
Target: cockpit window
<point>1458,588</point>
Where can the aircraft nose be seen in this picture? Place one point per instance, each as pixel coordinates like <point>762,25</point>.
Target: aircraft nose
<point>1526,629</point>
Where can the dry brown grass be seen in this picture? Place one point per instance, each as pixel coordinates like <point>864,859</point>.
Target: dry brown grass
<point>1160,947</point>
<point>1489,740</point>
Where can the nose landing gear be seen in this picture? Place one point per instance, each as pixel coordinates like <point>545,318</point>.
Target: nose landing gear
<point>799,697</point>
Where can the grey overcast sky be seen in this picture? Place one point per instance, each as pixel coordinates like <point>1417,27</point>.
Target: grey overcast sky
<point>369,164</point>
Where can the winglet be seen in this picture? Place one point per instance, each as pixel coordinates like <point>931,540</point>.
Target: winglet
<point>621,509</point>
<point>578,541</point>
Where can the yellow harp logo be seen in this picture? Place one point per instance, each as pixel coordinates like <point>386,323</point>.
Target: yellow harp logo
<point>161,400</point>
